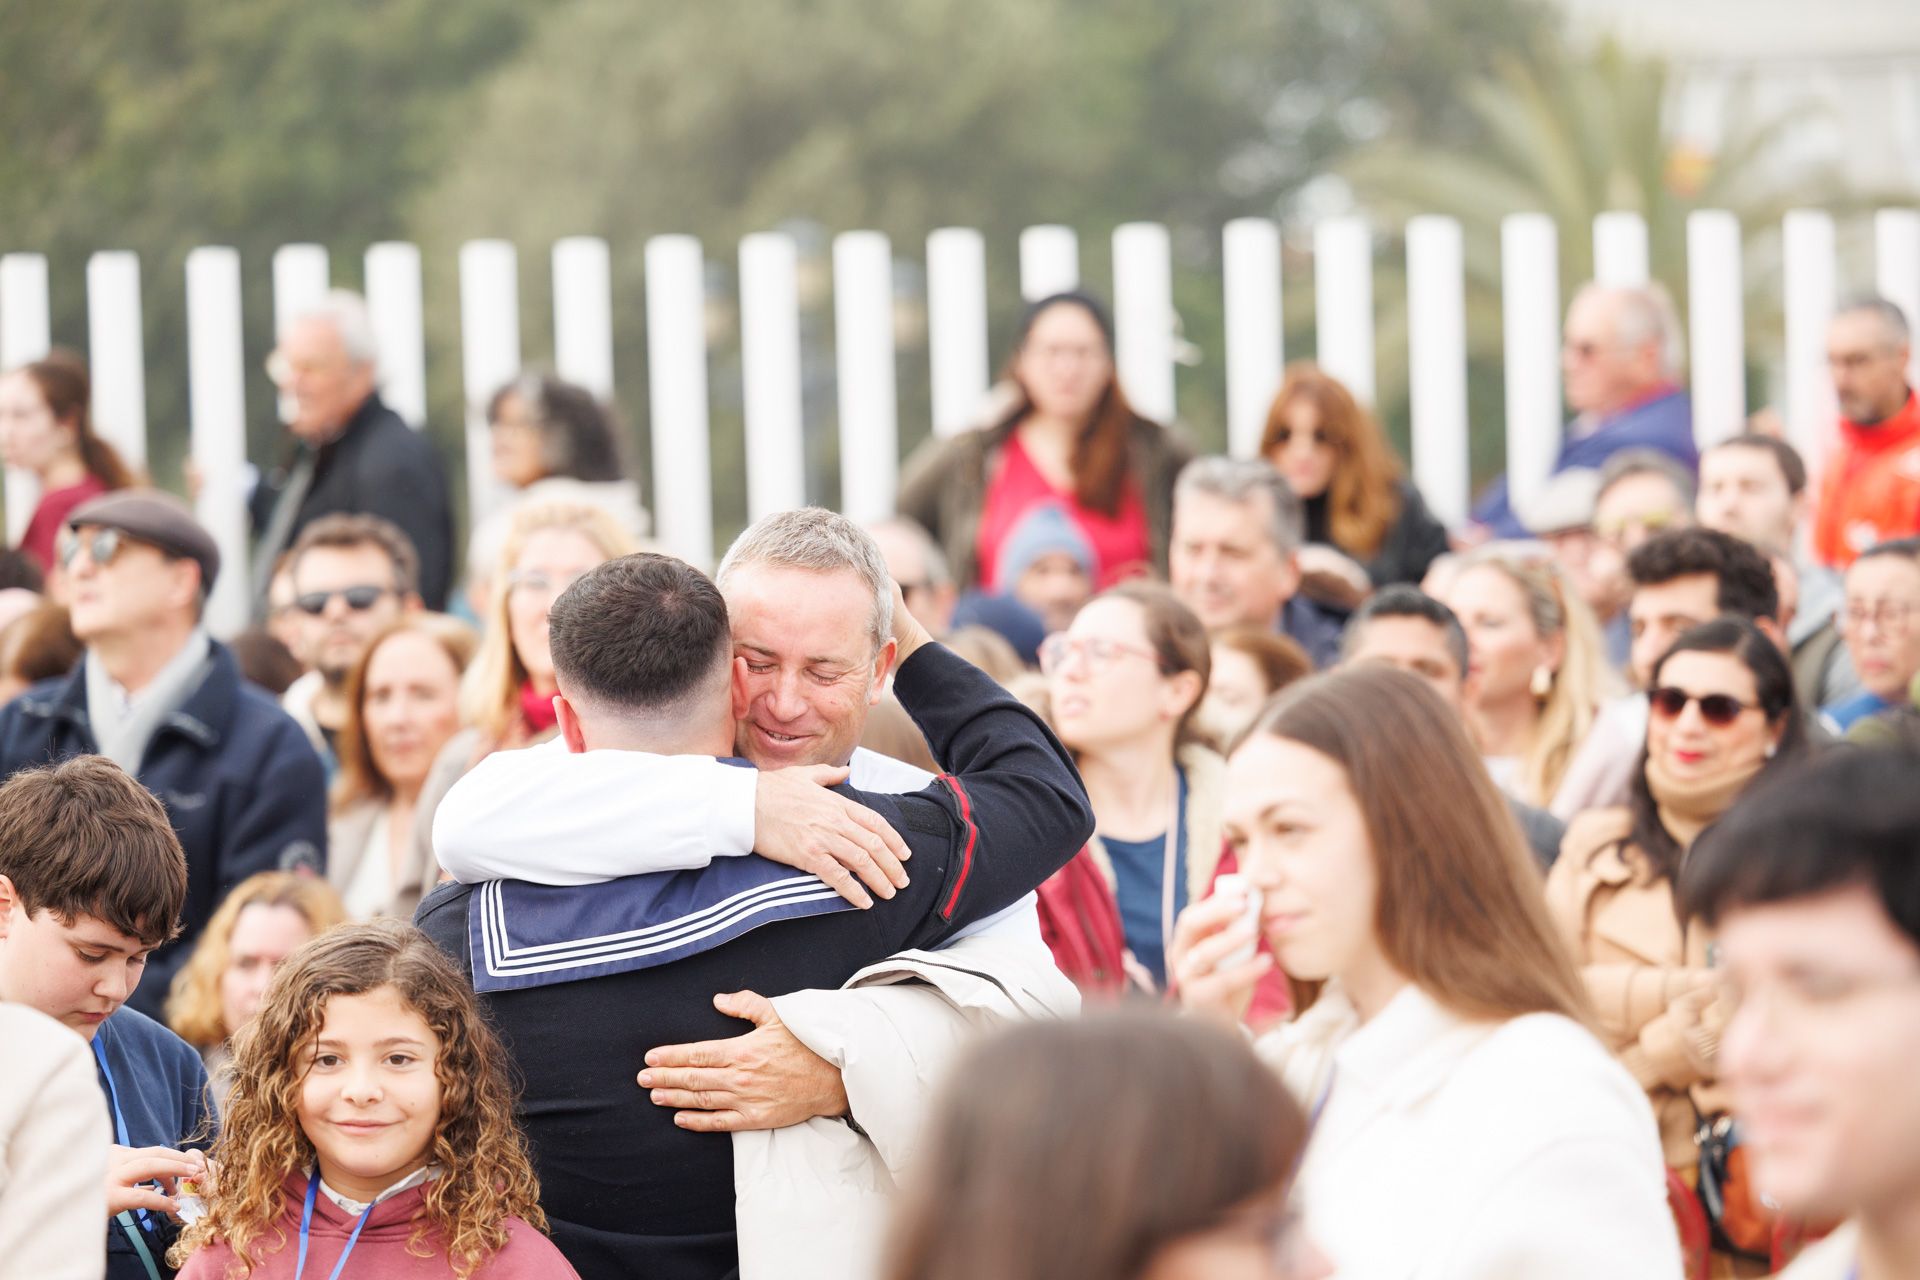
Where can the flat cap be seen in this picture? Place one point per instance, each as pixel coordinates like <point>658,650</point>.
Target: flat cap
<point>157,517</point>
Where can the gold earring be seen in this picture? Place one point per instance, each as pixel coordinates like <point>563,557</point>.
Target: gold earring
<point>1542,684</point>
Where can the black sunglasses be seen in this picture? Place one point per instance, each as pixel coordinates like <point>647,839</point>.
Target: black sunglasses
<point>102,545</point>
<point>1717,709</point>
<point>359,599</point>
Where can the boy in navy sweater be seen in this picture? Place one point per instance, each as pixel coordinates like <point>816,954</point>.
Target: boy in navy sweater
<point>92,880</point>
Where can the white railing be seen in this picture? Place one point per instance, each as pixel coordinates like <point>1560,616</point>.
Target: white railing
<point>959,358</point>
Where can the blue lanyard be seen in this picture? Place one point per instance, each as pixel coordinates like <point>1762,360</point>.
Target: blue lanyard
<point>113,1103</point>
<point>306,1227</point>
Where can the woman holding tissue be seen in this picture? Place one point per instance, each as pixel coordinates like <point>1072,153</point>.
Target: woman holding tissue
<point>1442,1044</point>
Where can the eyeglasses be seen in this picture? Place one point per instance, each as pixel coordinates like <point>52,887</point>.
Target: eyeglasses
<point>541,584</point>
<point>101,546</point>
<point>1888,615</point>
<point>359,599</point>
<point>1098,653</point>
<point>1717,709</point>
<point>1317,437</point>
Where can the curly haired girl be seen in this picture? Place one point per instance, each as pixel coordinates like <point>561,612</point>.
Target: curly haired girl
<point>370,1127</point>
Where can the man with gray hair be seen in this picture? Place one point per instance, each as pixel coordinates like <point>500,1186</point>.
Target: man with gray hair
<point>350,453</point>
<point>1620,358</point>
<point>1234,554</point>
<point>915,561</point>
<point>1870,492</point>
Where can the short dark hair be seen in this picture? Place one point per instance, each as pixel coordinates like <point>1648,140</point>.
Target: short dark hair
<point>18,569</point>
<point>1843,817</point>
<point>346,530</point>
<point>1904,548</point>
<point>1646,462</point>
<point>640,633</point>
<point>82,838</point>
<point>1792,466</point>
<point>1746,587</point>
<point>1403,601</point>
<point>579,434</point>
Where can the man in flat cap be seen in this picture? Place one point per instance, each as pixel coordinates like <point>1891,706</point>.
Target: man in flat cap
<point>159,697</point>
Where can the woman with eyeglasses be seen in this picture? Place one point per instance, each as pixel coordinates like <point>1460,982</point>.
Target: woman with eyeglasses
<point>1120,1146</point>
<point>1466,1123</point>
<point>403,707</point>
<point>1337,460</point>
<point>1124,686</point>
<point>46,430</point>
<point>1722,716</point>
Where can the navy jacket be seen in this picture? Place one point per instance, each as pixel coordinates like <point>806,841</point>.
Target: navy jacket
<point>159,1092</point>
<point>242,785</point>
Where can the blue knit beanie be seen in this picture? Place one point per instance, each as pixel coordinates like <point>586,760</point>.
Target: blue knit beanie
<point>1043,531</point>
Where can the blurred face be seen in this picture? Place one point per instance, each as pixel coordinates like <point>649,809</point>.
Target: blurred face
<point>805,663</point>
<point>1880,623</point>
<point>1064,364</point>
<point>75,973</point>
<point>548,564</point>
<point>326,385</point>
<point>1660,611</point>
<point>1868,365</point>
<point>515,438</point>
<point>264,935</point>
<point>136,589</point>
<point>370,1100</point>
<point>1743,492</point>
<point>1691,745</point>
<point>1596,567</point>
<point>1415,646</point>
<point>1236,690</point>
<point>1603,375</point>
<point>1261,1240</point>
<point>1054,586</point>
<point>1298,832</point>
<point>410,707</point>
<point>1819,1053</point>
<point>1105,683</point>
<point>344,597</point>
<point>284,622</point>
<point>31,438</point>
<point>1224,565</point>
<point>1302,452</point>
<point>1505,647</point>
<point>906,557</point>
<point>1635,508</point>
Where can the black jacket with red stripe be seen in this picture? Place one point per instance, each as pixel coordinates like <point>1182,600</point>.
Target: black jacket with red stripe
<point>627,1192</point>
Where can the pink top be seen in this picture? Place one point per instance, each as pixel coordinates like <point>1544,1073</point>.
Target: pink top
<point>1122,548</point>
<point>43,531</point>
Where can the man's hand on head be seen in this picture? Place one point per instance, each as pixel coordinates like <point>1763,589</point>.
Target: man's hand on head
<point>908,634</point>
<point>765,1079</point>
<point>798,822</point>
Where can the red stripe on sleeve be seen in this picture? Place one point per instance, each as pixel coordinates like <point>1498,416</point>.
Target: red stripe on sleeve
<point>966,856</point>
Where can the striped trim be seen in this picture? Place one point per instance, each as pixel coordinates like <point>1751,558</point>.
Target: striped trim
<point>966,855</point>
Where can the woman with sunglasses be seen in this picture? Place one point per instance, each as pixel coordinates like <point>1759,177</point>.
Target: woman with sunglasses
<point>1723,715</point>
<point>1124,686</point>
<point>1337,460</point>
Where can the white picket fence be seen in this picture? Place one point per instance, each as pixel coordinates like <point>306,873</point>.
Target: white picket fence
<point>1343,256</point>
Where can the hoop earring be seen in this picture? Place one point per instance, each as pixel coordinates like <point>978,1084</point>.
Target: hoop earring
<point>1541,686</point>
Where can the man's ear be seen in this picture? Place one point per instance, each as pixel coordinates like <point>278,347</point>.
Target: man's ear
<point>1289,577</point>
<point>1771,629</point>
<point>742,698</point>
<point>570,729</point>
<point>882,666</point>
<point>9,905</point>
<point>412,603</point>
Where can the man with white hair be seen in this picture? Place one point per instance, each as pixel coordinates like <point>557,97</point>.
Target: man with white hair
<point>1620,359</point>
<point>351,454</point>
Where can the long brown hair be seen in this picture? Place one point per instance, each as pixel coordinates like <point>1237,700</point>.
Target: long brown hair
<point>1460,910</point>
<point>1179,641</point>
<point>1363,497</point>
<point>1102,460</point>
<point>486,1176</point>
<point>62,378</point>
<point>360,778</point>
<point>1160,1125</point>
<point>193,1004</point>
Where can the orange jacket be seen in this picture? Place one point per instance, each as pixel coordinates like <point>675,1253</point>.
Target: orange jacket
<point>1871,491</point>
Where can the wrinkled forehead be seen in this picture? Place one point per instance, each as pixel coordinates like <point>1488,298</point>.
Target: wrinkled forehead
<point>801,615</point>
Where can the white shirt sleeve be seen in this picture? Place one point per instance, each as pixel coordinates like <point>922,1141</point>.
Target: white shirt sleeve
<point>550,816</point>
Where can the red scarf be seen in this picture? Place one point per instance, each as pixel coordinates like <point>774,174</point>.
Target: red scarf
<point>537,710</point>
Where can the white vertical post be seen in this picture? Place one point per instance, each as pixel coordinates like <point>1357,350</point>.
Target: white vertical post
<point>1437,356</point>
<point>1343,302</point>
<point>217,396</point>
<point>1250,265</point>
<point>1896,240</point>
<point>1716,325</point>
<point>1809,252</point>
<point>957,326</point>
<point>770,373</point>
<point>1530,306</point>
<point>1049,261</point>
<point>300,281</point>
<point>583,313</point>
<point>863,347</point>
<point>489,353</point>
<point>25,334</point>
<point>1620,249</point>
<point>1143,316</point>
<point>393,303</point>
<point>677,391</point>
<point>114,356</point>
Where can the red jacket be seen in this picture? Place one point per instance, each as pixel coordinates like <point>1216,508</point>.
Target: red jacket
<point>1871,490</point>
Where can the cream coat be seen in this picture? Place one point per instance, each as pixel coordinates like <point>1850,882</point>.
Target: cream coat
<point>53,1151</point>
<point>812,1200</point>
<point>1450,1149</point>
